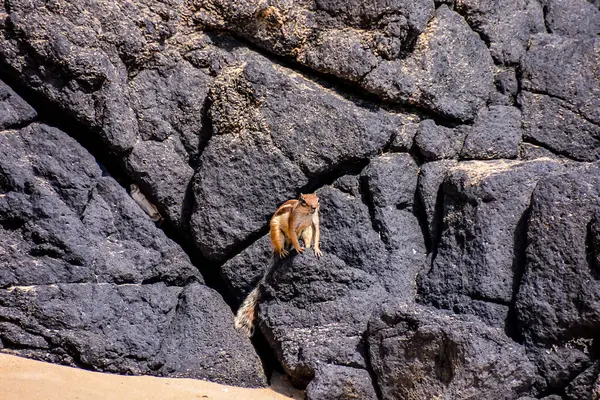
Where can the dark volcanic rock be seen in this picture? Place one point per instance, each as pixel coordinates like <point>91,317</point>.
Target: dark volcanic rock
<point>344,38</point>
<point>561,82</point>
<point>496,133</point>
<point>14,111</point>
<point>449,71</point>
<point>506,26</point>
<point>421,353</point>
<point>559,293</point>
<point>119,70</point>
<point>480,250</point>
<point>88,279</point>
<point>436,142</point>
<point>315,311</point>
<point>334,382</point>
<point>559,365</point>
<point>431,177</point>
<point>289,126</point>
<point>572,18</point>
<point>586,385</point>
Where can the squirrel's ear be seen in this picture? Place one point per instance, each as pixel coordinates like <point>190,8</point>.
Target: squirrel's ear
<point>301,196</point>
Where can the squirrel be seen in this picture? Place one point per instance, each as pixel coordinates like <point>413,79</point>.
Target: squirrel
<point>293,219</point>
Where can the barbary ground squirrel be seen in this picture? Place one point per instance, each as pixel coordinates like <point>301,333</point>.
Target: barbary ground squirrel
<point>294,219</point>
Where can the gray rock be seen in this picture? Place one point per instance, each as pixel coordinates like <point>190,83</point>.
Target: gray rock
<point>422,353</point>
<point>14,111</point>
<point>572,18</point>
<point>315,311</point>
<point>162,170</point>
<point>496,133</point>
<point>436,142</point>
<point>88,279</point>
<point>506,26</point>
<point>103,237</point>
<point>480,250</point>
<point>560,96</point>
<point>346,39</point>
<point>403,141</point>
<point>334,382</point>
<point>449,71</point>
<point>431,177</point>
<point>391,180</point>
<point>586,385</point>
<point>289,126</point>
<point>559,365</point>
<point>121,71</point>
<point>558,295</point>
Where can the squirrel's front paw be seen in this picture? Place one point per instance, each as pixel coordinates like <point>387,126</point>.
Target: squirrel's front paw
<point>318,252</point>
<point>283,253</point>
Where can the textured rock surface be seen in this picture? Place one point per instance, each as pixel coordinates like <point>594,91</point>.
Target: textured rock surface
<point>88,280</point>
<point>419,353</point>
<point>220,110</point>
<point>558,297</point>
<point>340,383</point>
<point>561,92</point>
<point>482,241</point>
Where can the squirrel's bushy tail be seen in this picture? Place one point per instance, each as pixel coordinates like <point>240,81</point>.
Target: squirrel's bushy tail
<point>246,314</point>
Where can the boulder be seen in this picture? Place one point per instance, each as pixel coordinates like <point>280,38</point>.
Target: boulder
<point>496,133</point>
<point>558,297</point>
<point>89,280</point>
<point>572,18</point>
<point>14,111</point>
<point>315,311</point>
<point>422,353</point>
<point>335,382</point>
<point>449,71</point>
<point>293,129</point>
<point>436,142</point>
<point>480,254</point>
<point>506,26</point>
<point>561,90</point>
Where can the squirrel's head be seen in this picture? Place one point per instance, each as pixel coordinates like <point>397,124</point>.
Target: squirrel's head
<point>309,203</point>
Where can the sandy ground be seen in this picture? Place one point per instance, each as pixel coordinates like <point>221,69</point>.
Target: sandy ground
<point>25,379</point>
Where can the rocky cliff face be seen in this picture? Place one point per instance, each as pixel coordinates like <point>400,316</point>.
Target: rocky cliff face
<point>455,146</point>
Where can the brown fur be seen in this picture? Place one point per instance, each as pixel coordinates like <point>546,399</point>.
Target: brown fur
<point>293,219</point>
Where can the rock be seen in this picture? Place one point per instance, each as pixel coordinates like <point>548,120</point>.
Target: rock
<point>431,177</point>
<point>448,72</point>
<point>421,353</point>
<point>164,174</point>
<point>345,39</point>
<point>505,26</point>
<point>315,311</point>
<point>95,241</point>
<point>496,133</point>
<point>558,296</point>
<point>585,386</point>
<point>336,382</point>
<point>572,18</point>
<point>120,71</point>
<point>559,365</point>
<point>201,342</point>
<point>560,96</point>
<point>436,142</point>
<point>14,111</point>
<point>403,141</point>
<point>287,125</point>
<point>88,279</point>
<point>391,180</point>
<point>528,151</point>
<point>480,252</point>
